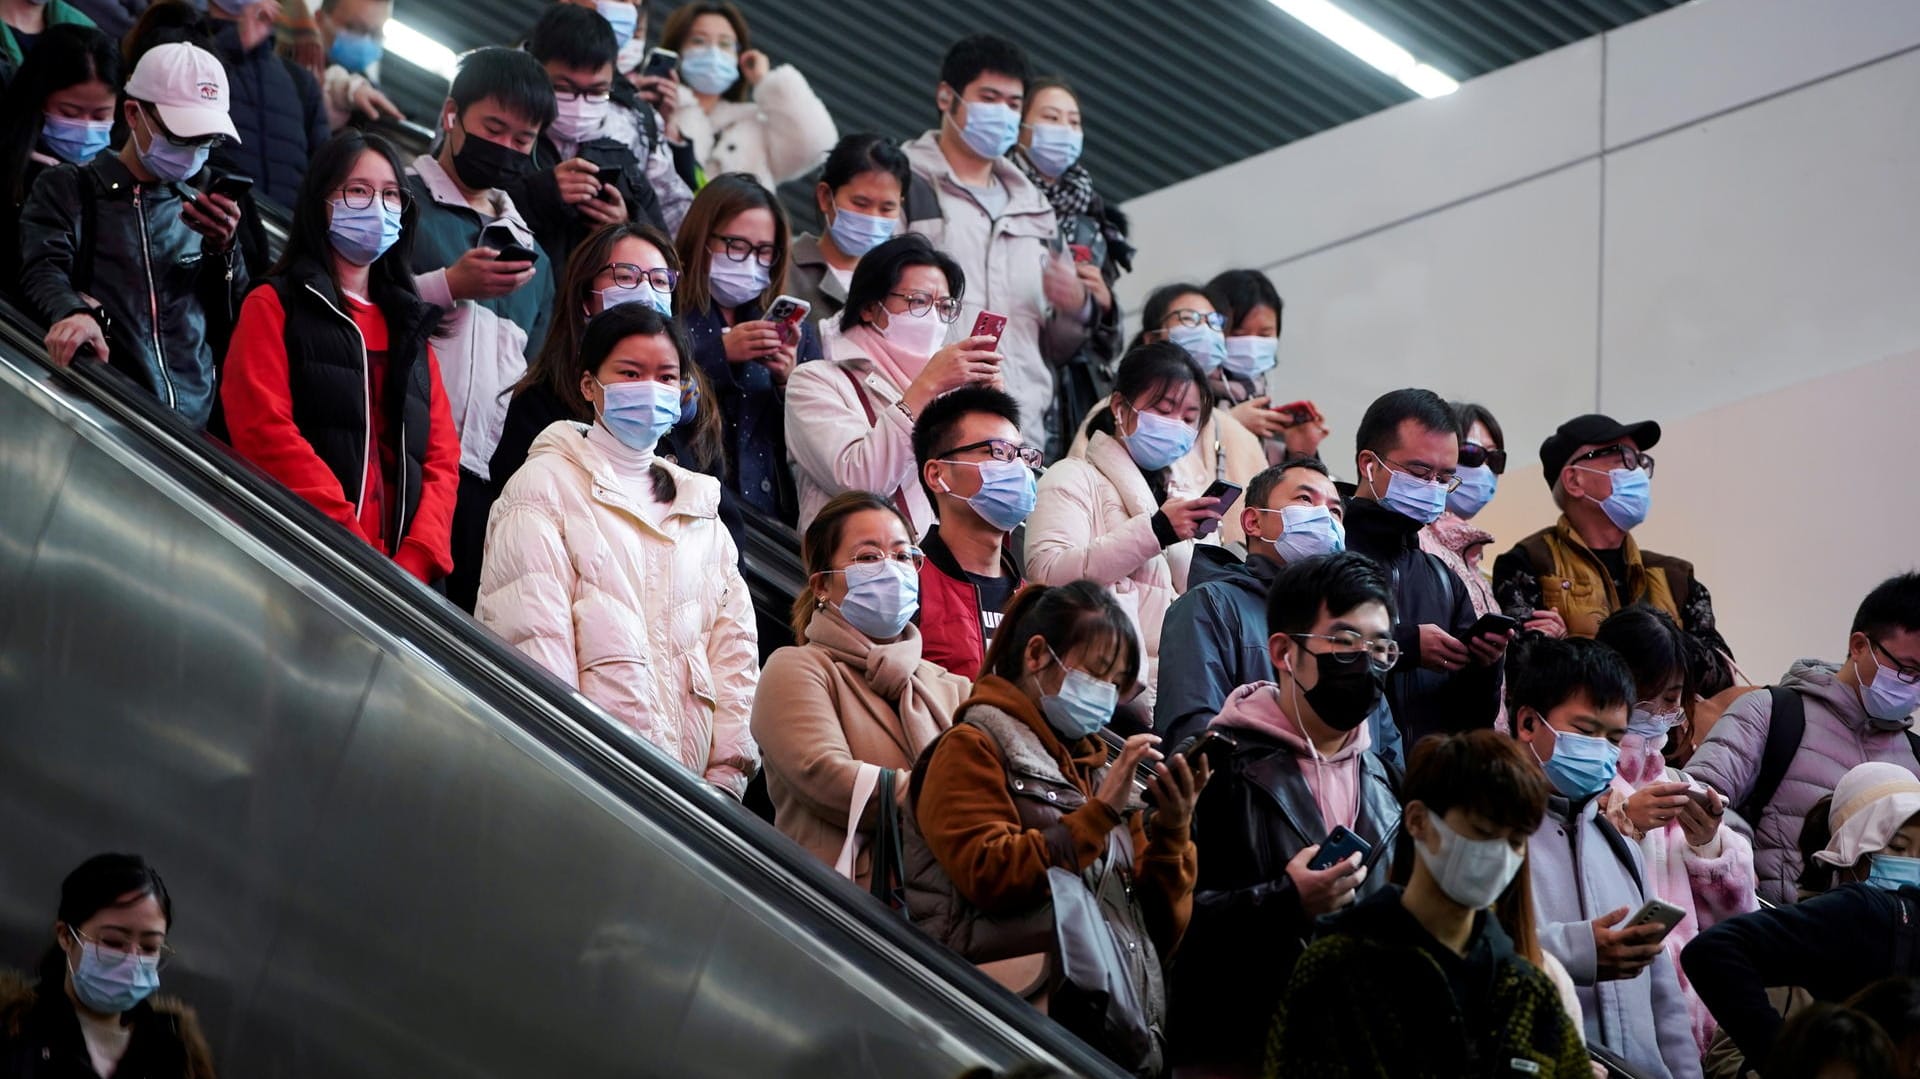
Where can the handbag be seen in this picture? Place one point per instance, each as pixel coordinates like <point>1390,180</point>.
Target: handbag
<point>1097,996</point>
<point>888,866</point>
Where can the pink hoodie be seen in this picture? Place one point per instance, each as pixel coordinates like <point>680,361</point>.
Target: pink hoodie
<point>1334,781</point>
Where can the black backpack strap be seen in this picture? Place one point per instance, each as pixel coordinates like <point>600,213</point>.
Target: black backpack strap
<point>1786,726</point>
<point>923,202</point>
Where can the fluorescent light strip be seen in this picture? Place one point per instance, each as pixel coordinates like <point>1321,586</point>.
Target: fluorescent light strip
<point>1380,52</point>
<point>420,50</point>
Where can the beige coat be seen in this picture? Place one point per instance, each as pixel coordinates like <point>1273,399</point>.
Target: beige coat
<point>1224,437</point>
<point>832,445</point>
<point>818,717</point>
<point>652,623</point>
<point>782,133</point>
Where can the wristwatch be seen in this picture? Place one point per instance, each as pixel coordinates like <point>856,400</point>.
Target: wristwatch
<point>99,315</point>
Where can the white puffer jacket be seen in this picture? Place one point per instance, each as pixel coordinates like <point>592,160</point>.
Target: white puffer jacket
<point>651,623</point>
<point>1094,520</point>
<point>783,132</point>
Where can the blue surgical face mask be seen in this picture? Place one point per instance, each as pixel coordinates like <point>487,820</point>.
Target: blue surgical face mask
<point>644,293</point>
<point>169,163</point>
<point>1632,495</point>
<point>1310,531</point>
<point>1251,357</point>
<point>992,128</point>
<point>1893,872</point>
<point>361,235</point>
<point>709,70</point>
<point>639,413</point>
<point>1889,701</point>
<point>110,982</point>
<point>1055,148</point>
<point>1007,492</point>
<point>735,283</point>
<point>353,51</point>
<point>1581,765</point>
<point>1419,499</point>
<point>76,141</point>
<point>882,597</point>
<point>1158,441</point>
<point>1477,485</point>
<point>1083,705</point>
<point>855,234</point>
<point>1206,345</point>
<point>623,16</point>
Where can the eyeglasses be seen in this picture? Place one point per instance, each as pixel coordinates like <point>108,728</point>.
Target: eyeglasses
<point>1909,675</point>
<point>1187,316</point>
<point>1426,474</point>
<point>1473,455</point>
<point>595,97</point>
<point>359,196</point>
<point>919,303</point>
<point>739,249</point>
<point>1625,454</point>
<point>1381,654</point>
<point>997,448</point>
<point>906,556</point>
<point>117,950</point>
<point>627,275</point>
<point>159,128</point>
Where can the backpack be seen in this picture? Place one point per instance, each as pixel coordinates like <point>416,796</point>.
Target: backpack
<point>1785,729</point>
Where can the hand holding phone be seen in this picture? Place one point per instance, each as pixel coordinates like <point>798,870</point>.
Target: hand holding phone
<point>1081,253</point>
<point>1656,912</point>
<point>1491,623</point>
<point>232,185</point>
<point>989,324</point>
<point>788,312</point>
<point>1224,495</point>
<point>1340,844</point>
<point>1212,746</point>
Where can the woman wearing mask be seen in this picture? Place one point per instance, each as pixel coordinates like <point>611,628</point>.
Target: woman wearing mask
<point>850,421</point>
<point>1692,858</point>
<point>733,253</point>
<point>1022,784</point>
<point>1834,944</point>
<point>1094,230</point>
<point>1251,309</point>
<point>93,1012</point>
<point>609,567</point>
<point>861,193</point>
<point>740,113</point>
<point>1119,515</point>
<point>58,108</point>
<point>330,385</point>
<point>854,691</point>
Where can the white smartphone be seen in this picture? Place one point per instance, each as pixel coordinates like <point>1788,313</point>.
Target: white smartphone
<point>1665,915</point>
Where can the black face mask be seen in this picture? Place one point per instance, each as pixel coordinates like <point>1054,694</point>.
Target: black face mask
<point>484,164</point>
<point>1348,689</point>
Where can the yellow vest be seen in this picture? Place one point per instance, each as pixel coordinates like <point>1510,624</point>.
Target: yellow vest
<point>1575,583</point>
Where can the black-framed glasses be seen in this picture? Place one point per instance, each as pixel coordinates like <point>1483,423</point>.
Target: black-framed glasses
<point>594,97</point>
<point>906,556</point>
<point>1621,452</point>
<point>1425,474</point>
<point>739,249</point>
<point>1473,455</point>
<point>627,275</point>
<point>359,196</point>
<point>159,127</point>
<point>1909,675</point>
<point>919,303</point>
<point>1382,654</point>
<point>999,449</point>
<point>1187,316</point>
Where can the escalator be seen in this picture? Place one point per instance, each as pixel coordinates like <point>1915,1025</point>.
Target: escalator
<point>395,847</point>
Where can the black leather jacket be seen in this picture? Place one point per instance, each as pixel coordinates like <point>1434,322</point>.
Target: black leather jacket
<point>1248,929</point>
<point>92,228</point>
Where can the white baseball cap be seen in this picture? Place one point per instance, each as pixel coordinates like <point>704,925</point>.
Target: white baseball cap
<point>187,86</point>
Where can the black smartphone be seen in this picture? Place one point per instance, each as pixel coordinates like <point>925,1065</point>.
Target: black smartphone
<point>232,185</point>
<point>1224,495</point>
<point>1340,843</point>
<point>1212,746</point>
<point>1491,623</point>
<point>660,64</point>
<point>609,175</point>
<point>501,239</point>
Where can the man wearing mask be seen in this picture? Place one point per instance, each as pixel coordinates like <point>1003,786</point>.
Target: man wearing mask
<point>1219,619</point>
<point>1570,702</point>
<point>1301,767</point>
<point>1587,565</point>
<point>1408,461</point>
<point>975,205</point>
<point>497,307</point>
<point>979,479</point>
<point>354,34</point>
<point>277,107</point>
<point>1774,753</point>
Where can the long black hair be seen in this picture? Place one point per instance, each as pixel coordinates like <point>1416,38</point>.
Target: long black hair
<point>66,55</point>
<point>391,275</point>
<point>101,882</point>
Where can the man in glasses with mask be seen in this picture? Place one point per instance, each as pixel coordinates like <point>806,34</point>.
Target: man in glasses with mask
<point>1587,565</point>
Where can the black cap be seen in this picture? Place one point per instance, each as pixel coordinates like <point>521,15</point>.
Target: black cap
<point>1591,430</point>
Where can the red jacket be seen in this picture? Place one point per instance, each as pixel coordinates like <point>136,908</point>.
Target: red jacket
<point>260,417</point>
<point>950,608</point>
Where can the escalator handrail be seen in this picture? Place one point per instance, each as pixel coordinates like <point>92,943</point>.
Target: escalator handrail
<point>528,695</point>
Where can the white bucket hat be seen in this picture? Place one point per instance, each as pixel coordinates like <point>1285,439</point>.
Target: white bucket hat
<point>1870,803</point>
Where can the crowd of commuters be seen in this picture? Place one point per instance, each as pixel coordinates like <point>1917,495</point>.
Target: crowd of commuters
<point>1095,656</point>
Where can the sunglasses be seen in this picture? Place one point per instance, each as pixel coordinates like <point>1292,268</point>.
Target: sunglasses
<point>1473,455</point>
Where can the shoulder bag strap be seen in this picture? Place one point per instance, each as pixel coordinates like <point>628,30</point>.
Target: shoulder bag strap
<point>873,420</point>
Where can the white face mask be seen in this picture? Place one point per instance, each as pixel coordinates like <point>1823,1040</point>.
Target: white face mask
<point>1472,872</point>
<point>916,335</point>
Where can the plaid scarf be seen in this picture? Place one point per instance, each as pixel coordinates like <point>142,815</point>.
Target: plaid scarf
<point>1071,194</point>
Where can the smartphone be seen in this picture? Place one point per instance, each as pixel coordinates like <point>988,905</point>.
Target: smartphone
<point>1081,252</point>
<point>660,64</point>
<point>1299,412</point>
<point>1491,623</point>
<point>1224,495</point>
<point>1702,799</point>
<point>1664,915</point>
<point>501,239</point>
<point>232,185</point>
<point>609,175</point>
<point>989,325</point>
<point>789,312</point>
<point>1212,746</point>
<point>1340,843</point>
